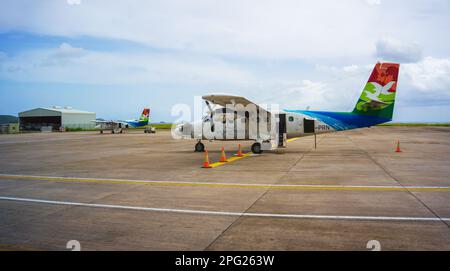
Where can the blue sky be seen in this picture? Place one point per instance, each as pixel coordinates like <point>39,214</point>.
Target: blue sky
<point>116,57</point>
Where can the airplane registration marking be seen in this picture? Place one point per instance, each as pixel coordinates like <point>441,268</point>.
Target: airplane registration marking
<point>323,128</point>
<point>225,213</point>
<point>229,185</point>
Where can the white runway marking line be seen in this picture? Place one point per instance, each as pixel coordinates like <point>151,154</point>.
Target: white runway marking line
<point>44,178</point>
<point>221,213</point>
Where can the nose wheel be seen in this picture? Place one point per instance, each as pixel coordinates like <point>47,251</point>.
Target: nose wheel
<point>256,148</point>
<point>199,147</point>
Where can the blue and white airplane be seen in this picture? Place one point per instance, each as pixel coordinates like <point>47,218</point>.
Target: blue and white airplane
<point>374,106</point>
<point>118,126</point>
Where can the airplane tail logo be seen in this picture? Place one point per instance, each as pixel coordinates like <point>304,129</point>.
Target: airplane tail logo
<point>378,96</point>
<point>145,116</point>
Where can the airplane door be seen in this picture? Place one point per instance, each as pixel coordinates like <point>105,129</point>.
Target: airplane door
<point>294,126</point>
<point>309,126</point>
<point>247,125</point>
<point>282,130</point>
<point>224,123</point>
<point>235,118</point>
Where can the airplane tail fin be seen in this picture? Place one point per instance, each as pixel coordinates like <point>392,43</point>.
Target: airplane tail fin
<point>378,96</point>
<point>145,116</point>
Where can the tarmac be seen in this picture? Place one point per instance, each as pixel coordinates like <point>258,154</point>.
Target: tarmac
<point>139,191</point>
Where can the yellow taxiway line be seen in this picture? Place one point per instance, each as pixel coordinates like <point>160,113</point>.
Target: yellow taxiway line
<point>234,158</point>
<point>231,159</point>
<point>228,185</point>
<point>292,139</point>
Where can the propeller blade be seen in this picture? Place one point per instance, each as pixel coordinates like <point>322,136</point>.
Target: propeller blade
<point>211,112</point>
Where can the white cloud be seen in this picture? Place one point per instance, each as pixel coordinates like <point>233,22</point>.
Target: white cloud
<point>73,2</point>
<point>262,29</point>
<point>233,45</point>
<point>327,94</point>
<point>325,88</point>
<point>430,75</point>
<point>394,50</point>
<point>253,28</point>
<point>66,48</point>
<point>307,94</point>
<point>425,83</point>
<point>69,64</point>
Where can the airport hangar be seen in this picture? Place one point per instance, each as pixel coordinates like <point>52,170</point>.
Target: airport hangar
<point>56,117</point>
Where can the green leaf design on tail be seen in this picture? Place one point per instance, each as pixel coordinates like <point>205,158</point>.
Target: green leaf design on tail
<point>378,95</point>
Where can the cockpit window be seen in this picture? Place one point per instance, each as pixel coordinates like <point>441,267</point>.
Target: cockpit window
<point>291,119</point>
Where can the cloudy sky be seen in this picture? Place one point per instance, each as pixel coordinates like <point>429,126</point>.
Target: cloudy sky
<point>115,57</point>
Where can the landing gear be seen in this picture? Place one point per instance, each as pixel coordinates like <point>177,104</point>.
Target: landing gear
<point>101,131</point>
<point>199,147</point>
<point>150,130</point>
<point>256,148</point>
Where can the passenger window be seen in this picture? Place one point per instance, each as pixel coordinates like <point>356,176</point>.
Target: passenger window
<point>291,119</point>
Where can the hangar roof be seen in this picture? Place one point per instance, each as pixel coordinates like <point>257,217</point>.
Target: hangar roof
<point>67,110</point>
<point>56,110</point>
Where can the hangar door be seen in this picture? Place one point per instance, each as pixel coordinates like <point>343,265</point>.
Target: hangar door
<point>35,123</point>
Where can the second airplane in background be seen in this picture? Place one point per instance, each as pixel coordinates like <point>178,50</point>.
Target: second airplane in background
<point>118,126</point>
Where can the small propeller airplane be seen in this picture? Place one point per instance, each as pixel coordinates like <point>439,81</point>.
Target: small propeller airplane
<point>118,126</point>
<point>233,117</point>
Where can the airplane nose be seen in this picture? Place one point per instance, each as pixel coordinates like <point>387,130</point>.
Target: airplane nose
<point>180,128</point>
<point>178,131</point>
<point>183,130</point>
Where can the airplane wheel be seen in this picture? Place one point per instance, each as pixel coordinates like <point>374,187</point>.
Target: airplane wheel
<point>199,147</point>
<point>101,131</point>
<point>256,148</point>
<point>112,131</point>
<point>121,132</point>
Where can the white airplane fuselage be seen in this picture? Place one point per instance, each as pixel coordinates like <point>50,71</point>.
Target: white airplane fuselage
<point>295,127</point>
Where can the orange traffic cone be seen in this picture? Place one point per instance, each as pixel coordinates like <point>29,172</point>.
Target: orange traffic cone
<point>239,153</point>
<point>206,162</point>
<point>223,157</point>
<point>398,147</point>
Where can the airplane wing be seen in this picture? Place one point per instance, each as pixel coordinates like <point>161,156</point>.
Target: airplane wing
<point>263,115</point>
<point>110,122</point>
<point>224,99</point>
